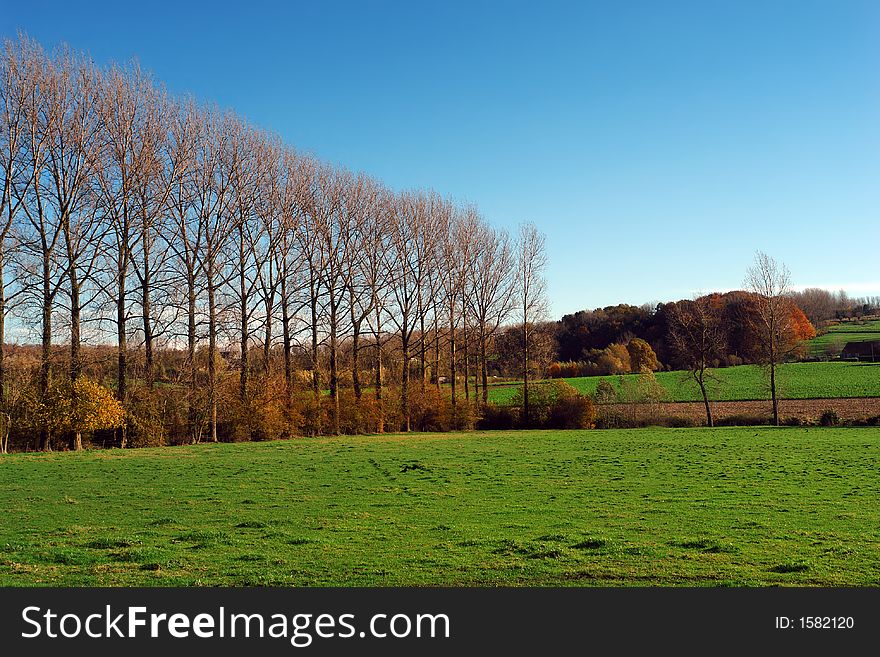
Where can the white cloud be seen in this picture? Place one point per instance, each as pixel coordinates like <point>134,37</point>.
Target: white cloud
<point>865,288</point>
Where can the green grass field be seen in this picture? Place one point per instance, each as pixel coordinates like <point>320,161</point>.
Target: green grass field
<point>838,335</point>
<point>743,506</point>
<point>796,381</point>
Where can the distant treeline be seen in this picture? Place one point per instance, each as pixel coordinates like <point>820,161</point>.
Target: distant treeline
<point>586,337</point>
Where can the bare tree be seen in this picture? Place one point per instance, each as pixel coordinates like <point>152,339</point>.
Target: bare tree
<point>41,231</point>
<point>167,151</point>
<point>248,154</point>
<point>217,158</point>
<point>189,202</point>
<point>131,111</point>
<point>334,222</point>
<point>269,211</point>
<point>310,246</point>
<point>289,258</point>
<point>408,228</point>
<point>770,282</point>
<point>491,291</point>
<point>379,275</point>
<point>14,177</point>
<point>697,338</point>
<point>531,292</point>
<point>365,269</point>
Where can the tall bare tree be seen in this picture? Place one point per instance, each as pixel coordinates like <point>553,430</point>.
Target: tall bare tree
<point>531,294</point>
<point>365,270</point>
<point>41,230</point>
<point>125,103</point>
<point>491,291</point>
<point>14,177</point>
<point>770,282</point>
<point>697,338</point>
<point>166,152</point>
<point>248,153</point>
<point>217,157</point>
<point>190,199</point>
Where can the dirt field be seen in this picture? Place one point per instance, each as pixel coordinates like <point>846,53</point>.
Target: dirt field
<point>805,409</point>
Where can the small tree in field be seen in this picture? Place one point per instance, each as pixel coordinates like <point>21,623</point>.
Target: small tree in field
<point>778,338</point>
<point>697,338</point>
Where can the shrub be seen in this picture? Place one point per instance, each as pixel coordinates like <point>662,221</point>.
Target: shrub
<point>577,412</point>
<point>498,417</point>
<point>464,415</point>
<point>743,420</point>
<point>428,409</point>
<point>678,422</point>
<point>829,418</point>
<point>556,405</point>
<point>145,424</point>
<point>605,392</point>
<point>541,397</point>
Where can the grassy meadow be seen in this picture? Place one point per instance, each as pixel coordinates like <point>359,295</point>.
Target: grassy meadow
<point>673,507</point>
<point>838,335</point>
<point>817,380</point>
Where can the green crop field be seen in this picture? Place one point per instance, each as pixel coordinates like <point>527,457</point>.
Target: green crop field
<point>735,506</point>
<point>837,336</point>
<point>795,381</point>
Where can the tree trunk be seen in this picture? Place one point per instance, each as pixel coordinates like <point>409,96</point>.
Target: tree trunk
<point>334,366</point>
<point>316,389</point>
<point>773,394</point>
<point>355,352</point>
<point>380,424</point>
<point>452,355</point>
<point>191,356</point>
<point>121,348</point>
<point>267,337</point>
<point>75,350</point>
<point>436,373</point>
<point>288,362</point>
<point>149,371</point>
<point>702,384</point>
<point>121,338</point>
<point>2,339</point>
<point>404,381</point>
<point>484,370</point>
<point>526,416</point>
<point>212,354</point>
<point>773,357</point>
<point>423,360</point>
<point>46,351</point>
<point>467,374</point>
<point>242,291</point>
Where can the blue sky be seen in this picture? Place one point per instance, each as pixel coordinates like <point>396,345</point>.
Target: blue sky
<point>657,144</point>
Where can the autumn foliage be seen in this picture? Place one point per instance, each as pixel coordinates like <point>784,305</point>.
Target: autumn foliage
<point>83,406</point>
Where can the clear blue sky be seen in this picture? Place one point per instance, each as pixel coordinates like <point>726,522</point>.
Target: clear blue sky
<point>657,144</point>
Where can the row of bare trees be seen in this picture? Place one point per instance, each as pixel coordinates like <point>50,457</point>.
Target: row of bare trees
<point>163,226</point>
